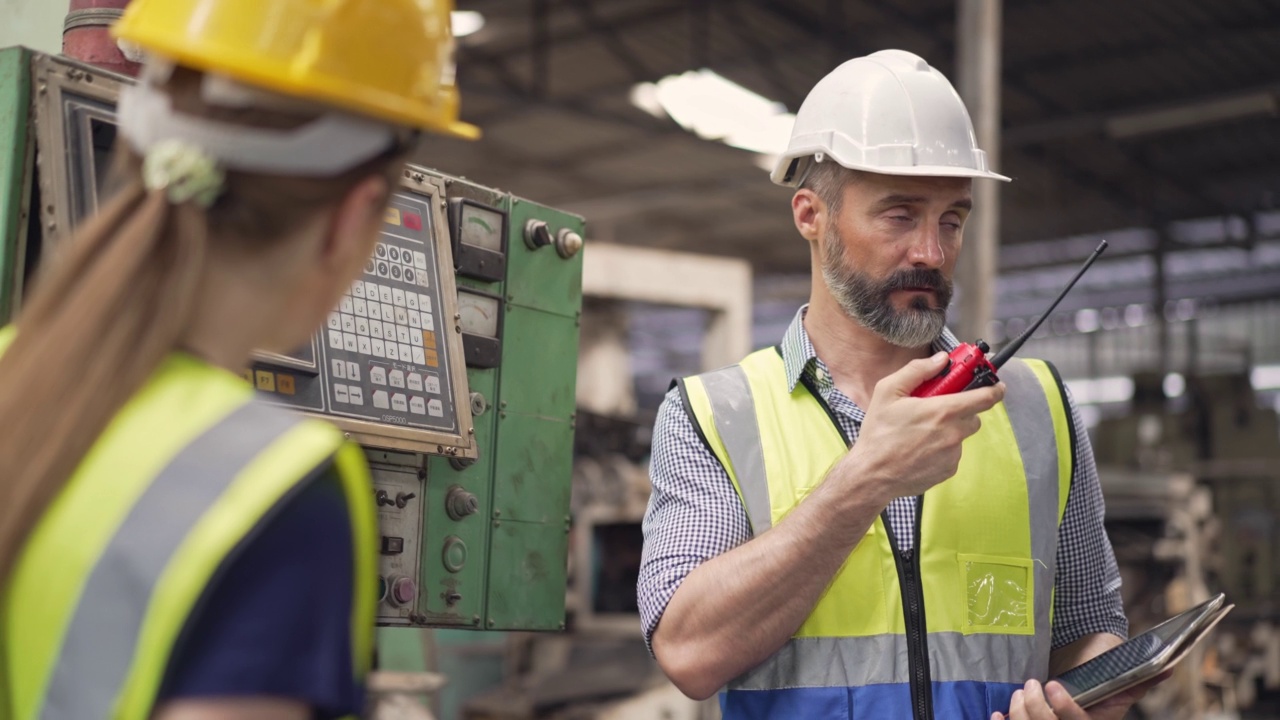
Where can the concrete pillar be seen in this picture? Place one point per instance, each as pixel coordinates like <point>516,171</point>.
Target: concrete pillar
<point>1164,345</point>
<point>978,28</point>
<point>606,382</point>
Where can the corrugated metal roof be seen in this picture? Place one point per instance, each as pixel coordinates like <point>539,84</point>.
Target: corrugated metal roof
<point>1070,67</point>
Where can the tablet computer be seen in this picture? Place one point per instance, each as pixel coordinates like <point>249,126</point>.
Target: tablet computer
<point>1144,656</point>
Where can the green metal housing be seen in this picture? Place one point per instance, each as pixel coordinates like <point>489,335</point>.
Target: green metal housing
<point>16,157</point>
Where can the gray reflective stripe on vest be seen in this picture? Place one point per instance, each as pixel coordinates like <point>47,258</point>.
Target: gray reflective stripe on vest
<point>102,637</point>
<point>989,657</point>
<point>1028,409</point>
<point>880,659</point>
<point>734,411</point>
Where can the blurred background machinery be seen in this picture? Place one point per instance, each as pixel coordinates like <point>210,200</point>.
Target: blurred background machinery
<point>1191,487</point>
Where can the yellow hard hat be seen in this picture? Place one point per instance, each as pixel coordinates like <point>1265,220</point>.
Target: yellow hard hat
<point>387,59</point>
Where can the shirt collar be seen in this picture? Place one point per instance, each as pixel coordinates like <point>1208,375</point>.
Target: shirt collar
<point>798,355</point>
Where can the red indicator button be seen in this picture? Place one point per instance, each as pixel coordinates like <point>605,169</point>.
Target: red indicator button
<point>413,221</point>
<point>403,591</point>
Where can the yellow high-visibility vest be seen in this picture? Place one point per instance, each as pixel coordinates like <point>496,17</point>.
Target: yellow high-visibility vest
<point>109,576</point>
<point>951,628</point>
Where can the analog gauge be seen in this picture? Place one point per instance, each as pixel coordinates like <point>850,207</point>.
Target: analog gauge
<point>481,228</point>
<point>479,314</point>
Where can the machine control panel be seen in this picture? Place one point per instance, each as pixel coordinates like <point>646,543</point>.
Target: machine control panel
<point>388,365</point>
<point>398,492</point>
<point>386,332</point>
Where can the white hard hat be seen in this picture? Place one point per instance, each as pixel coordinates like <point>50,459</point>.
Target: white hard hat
<point>890,113</point>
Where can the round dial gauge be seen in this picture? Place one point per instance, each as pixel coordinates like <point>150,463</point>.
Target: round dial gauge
<point>479,314</point>
<point>481,228</point>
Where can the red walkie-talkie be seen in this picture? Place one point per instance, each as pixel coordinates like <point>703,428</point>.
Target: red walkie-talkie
<point>968,367</point>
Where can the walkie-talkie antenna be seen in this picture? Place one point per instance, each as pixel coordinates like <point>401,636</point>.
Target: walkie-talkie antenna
<point>1008,351</point>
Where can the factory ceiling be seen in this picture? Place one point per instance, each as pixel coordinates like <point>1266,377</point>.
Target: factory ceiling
<point>1116,114</point>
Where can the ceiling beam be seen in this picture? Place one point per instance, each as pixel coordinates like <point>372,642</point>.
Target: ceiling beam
<point>1194,35</point>
<point>658,12</point>
<point>761,56</point>
<point>700,33</point>
<point>1022,85</point>
<point>540,41</point>
<point>612,41</point>
<point>520,99</point>
<point>1108,190</point>
<point>519,103</point>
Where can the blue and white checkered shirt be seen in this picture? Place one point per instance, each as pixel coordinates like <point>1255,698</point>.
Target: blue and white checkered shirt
<point>694,513</point>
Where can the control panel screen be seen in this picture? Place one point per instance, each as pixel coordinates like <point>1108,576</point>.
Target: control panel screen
<point>304,358</point>
<point>384,343</point>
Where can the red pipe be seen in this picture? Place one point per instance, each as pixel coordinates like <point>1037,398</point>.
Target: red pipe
<point>86,36</point>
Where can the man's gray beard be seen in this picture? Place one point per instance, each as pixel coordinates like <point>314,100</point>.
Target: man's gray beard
<point>867,302</point>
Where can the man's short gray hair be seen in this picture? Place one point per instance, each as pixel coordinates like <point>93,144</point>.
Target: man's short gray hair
<point>827,180</point>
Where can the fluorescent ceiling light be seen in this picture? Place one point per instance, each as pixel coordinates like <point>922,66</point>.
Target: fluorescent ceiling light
<point>1200,113</point>
<point>766,161</point>
<point>466,22</point>
<point>1265,377</point>
<point>645,97</point>
<point>718,109</point>
<point>1088,320</point>
<point>1087,391</point>
<point>1135,315</point>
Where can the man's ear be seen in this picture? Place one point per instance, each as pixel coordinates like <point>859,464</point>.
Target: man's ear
<point>809,213</point>
<point>356,220</point>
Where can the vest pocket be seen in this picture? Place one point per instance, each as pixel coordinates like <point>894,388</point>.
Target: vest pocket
<point>999,592</point>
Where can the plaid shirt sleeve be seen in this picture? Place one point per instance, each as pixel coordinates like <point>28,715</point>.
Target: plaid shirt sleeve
<point>1087,588</point>
<point>694,513</point>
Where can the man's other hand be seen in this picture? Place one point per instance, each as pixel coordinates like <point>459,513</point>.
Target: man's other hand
<point>1052,702</point>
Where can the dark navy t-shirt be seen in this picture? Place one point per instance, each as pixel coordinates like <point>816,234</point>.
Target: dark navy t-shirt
<point>276,620</point>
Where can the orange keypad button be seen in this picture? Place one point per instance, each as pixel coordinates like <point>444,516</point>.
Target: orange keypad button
<point>284,384</point>
<point>266,381</point>
<point>433,360</point>
<point>428,339</point>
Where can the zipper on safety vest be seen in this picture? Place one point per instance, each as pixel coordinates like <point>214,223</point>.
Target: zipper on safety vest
<point>908,562</point>
<point>908,578</point>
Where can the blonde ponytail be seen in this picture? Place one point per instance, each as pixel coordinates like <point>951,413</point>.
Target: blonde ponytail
<point>120,297</point>
<point>93,330</point>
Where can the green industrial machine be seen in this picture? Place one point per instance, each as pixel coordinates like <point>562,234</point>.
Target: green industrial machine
<point>452,360</point>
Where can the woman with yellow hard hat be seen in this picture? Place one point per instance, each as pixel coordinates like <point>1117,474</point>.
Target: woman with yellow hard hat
<point>171,547</point>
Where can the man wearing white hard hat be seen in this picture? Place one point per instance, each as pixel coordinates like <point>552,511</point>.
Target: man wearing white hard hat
<point>817,544</point>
